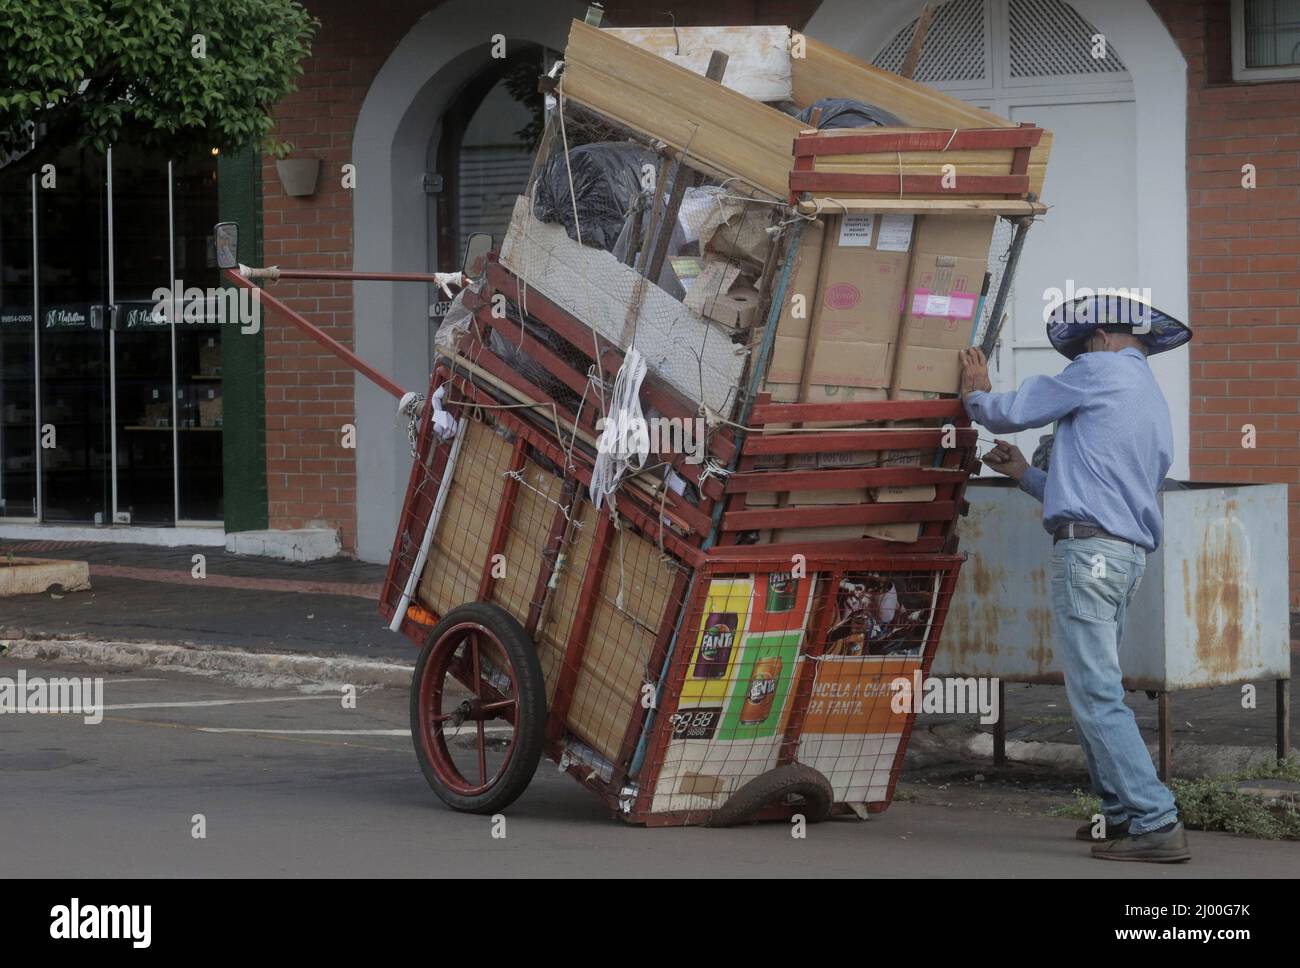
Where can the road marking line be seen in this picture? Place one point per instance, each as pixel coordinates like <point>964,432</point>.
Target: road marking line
<point>213,702</point>
<point>455,730</point>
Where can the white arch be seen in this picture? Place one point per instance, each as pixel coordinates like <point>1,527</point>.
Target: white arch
<point>442,52</point>
<point>1159,74</point>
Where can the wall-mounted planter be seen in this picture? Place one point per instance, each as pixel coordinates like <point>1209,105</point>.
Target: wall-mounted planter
<point>298,175</point>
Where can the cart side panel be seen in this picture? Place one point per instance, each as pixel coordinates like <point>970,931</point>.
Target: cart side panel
<point>627,614</point>
<point>459,551</point>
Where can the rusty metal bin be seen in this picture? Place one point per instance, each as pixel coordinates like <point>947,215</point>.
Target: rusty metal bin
<point>1212,611</point>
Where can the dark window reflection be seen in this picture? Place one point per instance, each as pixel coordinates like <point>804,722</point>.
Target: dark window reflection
<point>17,351</point>
<point>73,297</point>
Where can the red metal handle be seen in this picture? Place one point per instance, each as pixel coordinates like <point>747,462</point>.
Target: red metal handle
<point>319,335</point>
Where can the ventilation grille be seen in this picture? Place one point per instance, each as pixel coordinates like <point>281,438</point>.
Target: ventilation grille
<point>1048,39</point>
<point>954,47</point>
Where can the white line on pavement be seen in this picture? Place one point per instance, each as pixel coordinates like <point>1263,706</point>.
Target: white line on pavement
<point>455,730</point>
<point>212,702</point>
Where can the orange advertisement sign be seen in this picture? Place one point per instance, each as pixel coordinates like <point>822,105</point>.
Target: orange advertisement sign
<point>855,696</point>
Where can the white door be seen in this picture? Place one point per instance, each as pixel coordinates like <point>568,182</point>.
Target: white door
<point>1036,60</point>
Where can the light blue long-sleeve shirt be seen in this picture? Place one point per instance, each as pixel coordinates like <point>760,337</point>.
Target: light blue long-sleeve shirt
<point>1114,442</point>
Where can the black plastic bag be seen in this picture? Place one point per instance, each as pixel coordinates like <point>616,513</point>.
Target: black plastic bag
<point>606,181</point>
<point>843,112</point>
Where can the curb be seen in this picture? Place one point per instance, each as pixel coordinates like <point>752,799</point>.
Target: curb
<point>206,659</point>
<point>1190,760</point>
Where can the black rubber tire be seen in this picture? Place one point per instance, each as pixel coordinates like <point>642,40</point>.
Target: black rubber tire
<point>770,787</point>
<point>530,725</point>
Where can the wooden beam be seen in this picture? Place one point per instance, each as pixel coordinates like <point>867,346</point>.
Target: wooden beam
<point>826,205</point>
<point>918,42</point>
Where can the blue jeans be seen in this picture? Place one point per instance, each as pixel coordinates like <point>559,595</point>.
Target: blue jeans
<point>1094,580</point>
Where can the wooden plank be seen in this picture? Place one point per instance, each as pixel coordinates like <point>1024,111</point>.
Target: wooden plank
<point>766,413</point>
<point>851,141</point>
<point>837,514</point>
<point>827,72</point>
<point>760,55</point>
<point>665,101</point>
<point>837,442</point>
<point>923,206</point>
<point>852,183</point>
<point>826,478</point>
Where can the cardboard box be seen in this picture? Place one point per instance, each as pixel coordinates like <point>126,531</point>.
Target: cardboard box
<point>825,532</point>
<point>782,392</point>
<point>833,495</point>
<point>960,235</point>
<point>855,363</point>
<point>943,294</point>
<point>737,308</point>
<point>762,499</point>
<point>862,287</point>
<point>849,458</point>
<point>893,532</point>
<point>801,293</point>
<point>786,365</point>
<point>928,368</point>
<point>946,277</point>
<point>905,493</point>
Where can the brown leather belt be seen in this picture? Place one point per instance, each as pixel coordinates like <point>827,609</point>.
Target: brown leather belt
<point>1077,529</point>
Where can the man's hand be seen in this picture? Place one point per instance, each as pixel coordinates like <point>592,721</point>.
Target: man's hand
<point>974,371</point>
<point>1006,459</point>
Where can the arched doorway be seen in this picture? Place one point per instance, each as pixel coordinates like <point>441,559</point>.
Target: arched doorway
<point>431,69</point>
<point>1105,77</point>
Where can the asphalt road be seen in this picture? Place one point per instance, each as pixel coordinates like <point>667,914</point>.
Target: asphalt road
<point>290,783</point>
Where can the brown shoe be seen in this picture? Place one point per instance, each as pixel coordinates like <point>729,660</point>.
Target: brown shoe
<point>1155,847</point>
<point>1114,831</point>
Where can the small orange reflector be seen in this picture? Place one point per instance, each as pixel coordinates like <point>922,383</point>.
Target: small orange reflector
<point>421,616</point>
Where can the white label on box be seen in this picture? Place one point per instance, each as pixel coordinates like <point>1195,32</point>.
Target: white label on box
<point>936,305</point>
<point>895,233</point>
<point>856,230</point>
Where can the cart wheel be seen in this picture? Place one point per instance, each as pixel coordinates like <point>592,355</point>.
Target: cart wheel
<point>784,781</point>
<point>478,709</point>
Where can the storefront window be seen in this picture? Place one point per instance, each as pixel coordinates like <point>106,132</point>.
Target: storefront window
<point>198,345</point>
<point>72,300</point>
<point>142,344</point>
<point>17,352</point>
<point>108,412</point>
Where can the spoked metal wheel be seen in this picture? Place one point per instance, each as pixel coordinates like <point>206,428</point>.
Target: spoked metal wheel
<point>478,708</point>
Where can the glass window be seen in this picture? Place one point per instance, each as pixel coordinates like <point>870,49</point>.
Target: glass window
<point>198,344</point>
<point>17,351</point>
<point>142,343</point>
<point>72,297</point>
<point>1265,39</point>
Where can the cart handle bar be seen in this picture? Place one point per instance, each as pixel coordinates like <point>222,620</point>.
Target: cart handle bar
<point>315,332</point>
<point>271,273</point>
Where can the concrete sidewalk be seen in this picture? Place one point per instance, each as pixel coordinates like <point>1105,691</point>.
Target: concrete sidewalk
<point>146,593</point>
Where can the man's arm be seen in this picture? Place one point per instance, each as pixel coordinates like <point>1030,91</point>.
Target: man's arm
<point>1039,401</point>
<point>1006,458</point>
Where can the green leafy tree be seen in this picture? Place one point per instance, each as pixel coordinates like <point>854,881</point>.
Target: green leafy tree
<point>168,75</point>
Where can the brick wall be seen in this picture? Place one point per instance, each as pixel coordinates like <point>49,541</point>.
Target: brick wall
<point>1244,263</point>
<point>311,477</point>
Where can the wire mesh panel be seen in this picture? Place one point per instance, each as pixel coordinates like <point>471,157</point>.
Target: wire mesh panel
<point>775,667</point>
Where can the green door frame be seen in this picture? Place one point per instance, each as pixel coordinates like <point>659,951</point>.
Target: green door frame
<point>243,357</point>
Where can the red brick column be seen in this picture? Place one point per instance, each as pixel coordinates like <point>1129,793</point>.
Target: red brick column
<point>1244,263</point>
